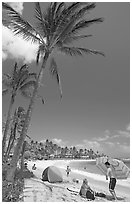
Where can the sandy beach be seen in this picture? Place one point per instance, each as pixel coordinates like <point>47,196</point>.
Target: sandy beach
<point>58,192</point>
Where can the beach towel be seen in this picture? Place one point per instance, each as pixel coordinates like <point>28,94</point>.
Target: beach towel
<point>102,195</point>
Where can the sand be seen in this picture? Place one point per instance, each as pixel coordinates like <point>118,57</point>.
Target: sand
<point>38,191</point>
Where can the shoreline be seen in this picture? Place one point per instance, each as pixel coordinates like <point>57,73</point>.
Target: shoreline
<point>97,183</point>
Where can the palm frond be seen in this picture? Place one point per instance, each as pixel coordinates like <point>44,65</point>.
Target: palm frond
<point>41,21</point>
<point>72,38</point>
<point>54,72</point>
<point>59,9</point>
<point>23,68</point>
<point>41,98</point>
<point>8,76</point>
<point>7,81</point>
<point>20,26</point>
<point>64,18</point>
<point>27,77</point>
<point>32,75</point>
<point>4,92</point>
<point>26,94</point>
<point>86,23</point>
<point>40,52</point>
<point>38,56</point>
<point>28,85</point>
<point>76,51</point>
<point>43,101</point>
<point>15,71</point>
<point>68,25</point>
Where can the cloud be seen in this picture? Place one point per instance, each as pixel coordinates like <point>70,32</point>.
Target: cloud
<point>128,128</point>
<point>116,149</point>
<point>100,139</point>
<point>110,144</point>
<point>18,6</point>
<point>59,142</point>
<point>96,146</point>
<point>124,133</point>
<point>15,47</point>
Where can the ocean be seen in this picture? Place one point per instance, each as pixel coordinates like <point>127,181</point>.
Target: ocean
<point>89,166</point>
<point>86,168</point>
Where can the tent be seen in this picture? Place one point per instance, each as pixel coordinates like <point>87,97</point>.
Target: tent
<point>52,174</point>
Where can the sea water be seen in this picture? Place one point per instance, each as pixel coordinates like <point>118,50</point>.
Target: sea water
<point>88,168</point>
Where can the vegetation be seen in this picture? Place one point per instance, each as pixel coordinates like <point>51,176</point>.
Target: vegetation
<point>20,80</point>
<point>55,30</point>
<point>49,150</point>
<point>12,191</point>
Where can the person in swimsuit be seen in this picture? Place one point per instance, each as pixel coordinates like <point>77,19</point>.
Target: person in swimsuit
<point>68,170</point>
<point>110,173</point>
<point>86,191</point>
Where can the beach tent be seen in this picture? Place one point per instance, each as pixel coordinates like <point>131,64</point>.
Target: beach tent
<point>52,174</point>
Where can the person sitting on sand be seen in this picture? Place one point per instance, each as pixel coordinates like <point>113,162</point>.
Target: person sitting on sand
<point>110,173</point>
<point>86,191</point>
<point>68,170</point>
<point>34,167</point>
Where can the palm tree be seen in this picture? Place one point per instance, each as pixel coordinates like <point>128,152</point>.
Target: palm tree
<point>18,81</point>
<point>15,126</point>
<point>55,30</point>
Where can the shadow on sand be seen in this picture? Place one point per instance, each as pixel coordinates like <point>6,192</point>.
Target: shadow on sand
<point>109,197</point>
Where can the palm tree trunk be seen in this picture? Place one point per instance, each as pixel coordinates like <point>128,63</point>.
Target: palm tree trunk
<point>17,150</point>
<point>7,126</point>
<point>11,140</point>
<point>22,158</point>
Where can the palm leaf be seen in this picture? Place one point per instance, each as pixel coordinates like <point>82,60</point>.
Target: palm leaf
<point>68,25</point>
<point>4,92</point>
<point>42,99</point>
<point>84,24</point>
<point>15,71</point>
<point>59,8</point>
<point>54,72</point>
<point>75,51</point>
<point>27,77</point>
<point>26,94</point>
<point>41,21</point>
<point>38,56</point>
<point>71,38</point>
<point>64,17</point>
<point>20,26</point>
<point>41,51</point>
<point>6,81</point>
<point>28,85</point>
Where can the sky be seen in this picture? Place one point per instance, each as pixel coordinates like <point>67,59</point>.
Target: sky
<point>94,111</point>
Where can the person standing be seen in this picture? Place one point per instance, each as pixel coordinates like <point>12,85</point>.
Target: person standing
<point>34,167</point>
<point>111,174</point>
<point>68,170</point>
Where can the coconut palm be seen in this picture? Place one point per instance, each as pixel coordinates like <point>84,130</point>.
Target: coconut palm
<point>18,81</point>
<point>55,30</point>
<point>16,126</point>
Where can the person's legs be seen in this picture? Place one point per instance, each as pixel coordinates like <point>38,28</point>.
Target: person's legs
<point>112,186</point>
<point>113,193</point>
